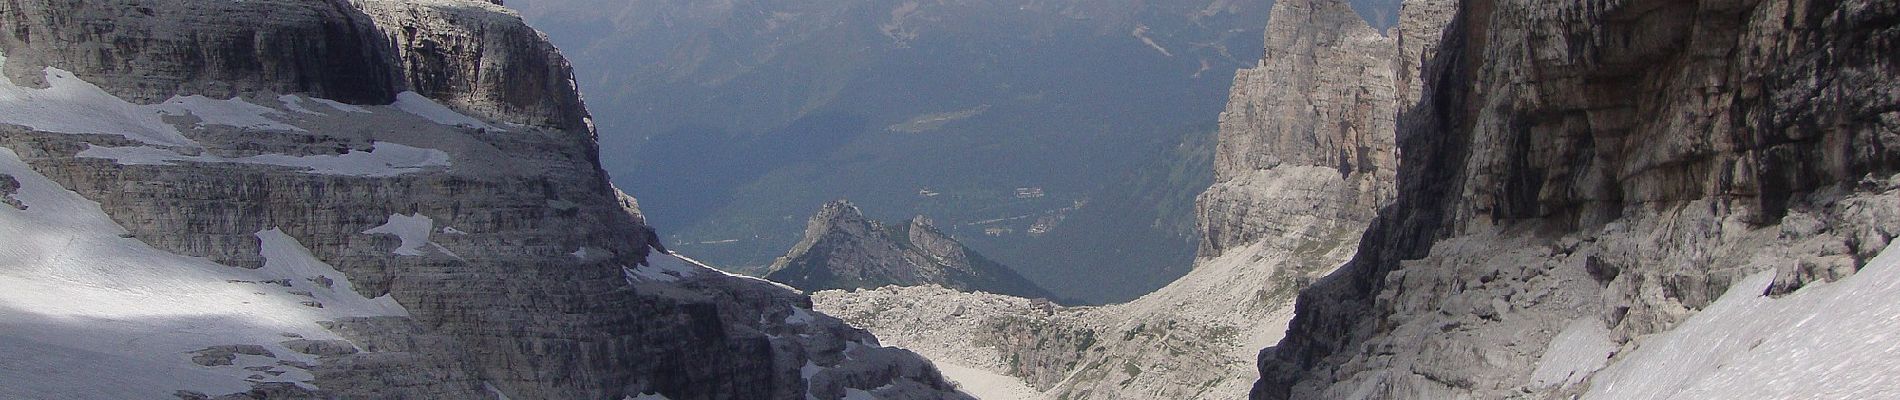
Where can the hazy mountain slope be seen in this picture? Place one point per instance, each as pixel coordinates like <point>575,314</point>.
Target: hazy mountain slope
<point>843,250</point>
<point>741,116</point>
<point>1603,185</point>
<point>369,199</point>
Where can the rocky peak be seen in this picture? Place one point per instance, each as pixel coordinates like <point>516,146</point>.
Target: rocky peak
<point>1306,134</point>
<point>844,250</point>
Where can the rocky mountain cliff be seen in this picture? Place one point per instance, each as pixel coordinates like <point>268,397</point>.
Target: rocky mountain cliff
<point>354,199</point>
<point>1589,190</point>
<point>1304,158</point>
<point>844,250</point>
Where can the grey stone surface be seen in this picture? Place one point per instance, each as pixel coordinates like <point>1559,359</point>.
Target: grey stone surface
<point>1618,161</point>
<point>9,186</point>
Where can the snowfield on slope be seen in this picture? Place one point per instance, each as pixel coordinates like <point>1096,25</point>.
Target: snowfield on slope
<point>87,313</point>
<point>1838,340</point>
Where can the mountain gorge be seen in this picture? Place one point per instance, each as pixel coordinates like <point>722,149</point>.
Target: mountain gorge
<point>368,199</point>
<point>1439,199</point>
<point>1016,125</point>
<point>1304,159</point>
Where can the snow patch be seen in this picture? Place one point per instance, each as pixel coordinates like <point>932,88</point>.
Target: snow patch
<point>383,160</point>
<point>1838,340</point>
<point>339,106</point>
<point>413,229</point>
<point>987,385</point>
<point>295,103</point>
<point>799,317</point>
<point>665,269</point>
<point>701,265</point>
<point>422,106</point>
<point>72,105</point>
<point>286,258</point>
<point>1582,348</point>
<point>230,112</point>
<point>648,396</point>
<point>88,313</point>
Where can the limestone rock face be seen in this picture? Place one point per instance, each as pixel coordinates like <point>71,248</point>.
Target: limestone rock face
<point>475,57</point>
<point>436,155</point>
<point>480,58</point>
<point>844,250</point>
<point>1609,164</point>
<point>1323,96</point>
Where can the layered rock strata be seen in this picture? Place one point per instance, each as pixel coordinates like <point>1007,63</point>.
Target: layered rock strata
<point>434,154</point>
<point>1597,173</point>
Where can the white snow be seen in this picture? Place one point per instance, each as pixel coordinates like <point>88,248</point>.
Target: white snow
<point>666,268</point>
<point>1582,348</point>
<point>703,266</point>
<point>798,317</point>
<point>284,257</point>
<point>414,231</point>
<point>450,230</point>
<point>384,159</point>
<point>648,396</point>
<point>295,103</point>
<point>422,106</point>
<point>1837,340</point>
<point>230,112</point>
<point>987,385</point>
<point>88,314</point>
<point>72,105</point>
<point>581,253</point>
<point>340,106</point>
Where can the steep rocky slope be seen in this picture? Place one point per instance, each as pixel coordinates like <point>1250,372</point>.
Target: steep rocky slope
<point>369,199</point>
<point>844,250</point>
<point>1582,182</point>
<point>1304,158</point>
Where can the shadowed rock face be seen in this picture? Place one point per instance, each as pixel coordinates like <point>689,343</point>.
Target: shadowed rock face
<point>1621,163</point>
<point>843,250</point>
<point>524,281</point>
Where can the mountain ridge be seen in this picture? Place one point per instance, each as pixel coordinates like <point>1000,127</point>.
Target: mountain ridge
<point>844,250</point>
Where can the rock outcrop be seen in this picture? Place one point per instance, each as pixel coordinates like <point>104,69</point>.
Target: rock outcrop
<point>1305,158</point>
<point>844,250</point>
<point>1579,178</point>
<point>427,161</point>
